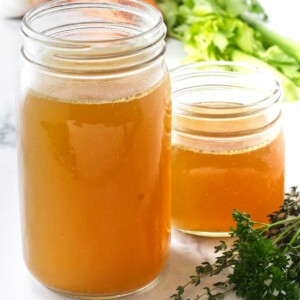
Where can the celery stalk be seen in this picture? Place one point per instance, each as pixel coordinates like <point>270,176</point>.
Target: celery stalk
<point>290,89</point>
<point>212,29</point>
<point>273,38</point>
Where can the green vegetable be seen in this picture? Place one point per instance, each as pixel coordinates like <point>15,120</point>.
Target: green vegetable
<point>216,29</point>
<point>289,46</point>
<point>264,258</point>
<point>291,90</point>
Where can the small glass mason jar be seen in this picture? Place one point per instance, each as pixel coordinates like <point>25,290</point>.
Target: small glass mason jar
<point>94,122</point>
<point>227,146</point>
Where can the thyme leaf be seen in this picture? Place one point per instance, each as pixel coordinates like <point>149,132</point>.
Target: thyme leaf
<point>265,259</point>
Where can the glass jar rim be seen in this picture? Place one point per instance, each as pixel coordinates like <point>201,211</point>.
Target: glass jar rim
<point>185,72</point>
<point>54,6</point>
<point>224,99</point>
<point>93,36</point>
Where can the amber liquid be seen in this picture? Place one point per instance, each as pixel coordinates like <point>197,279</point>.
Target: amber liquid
<point>95,191</point>
<point>207,186</point>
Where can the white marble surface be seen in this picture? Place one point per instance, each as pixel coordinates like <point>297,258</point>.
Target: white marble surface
<point>186,251</point>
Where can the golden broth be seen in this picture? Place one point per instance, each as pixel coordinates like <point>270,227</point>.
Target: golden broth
<point>207,186</point>
<point>95,190</point>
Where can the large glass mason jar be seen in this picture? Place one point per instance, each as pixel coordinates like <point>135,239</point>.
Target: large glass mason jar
<point>227,146</point>
<point>94,146</point>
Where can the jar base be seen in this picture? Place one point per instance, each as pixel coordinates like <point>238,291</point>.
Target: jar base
<point>101,297</point>
<point>211,234</point>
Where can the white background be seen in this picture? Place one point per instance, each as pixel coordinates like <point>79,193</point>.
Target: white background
<point>186,252</point>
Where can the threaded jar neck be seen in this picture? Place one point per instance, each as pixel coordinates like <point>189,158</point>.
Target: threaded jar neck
<point>223,99</point>
<point>93,36</point>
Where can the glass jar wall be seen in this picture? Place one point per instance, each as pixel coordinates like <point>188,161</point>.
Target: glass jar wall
<point>227,146</point>
<point>94,146</point>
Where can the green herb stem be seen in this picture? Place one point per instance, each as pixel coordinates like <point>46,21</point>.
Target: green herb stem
<point>286,231</point>
<point>294,238</point>
<point>288,220</point>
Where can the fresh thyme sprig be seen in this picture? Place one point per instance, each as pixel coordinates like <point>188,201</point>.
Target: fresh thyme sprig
<point>264,258</point>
